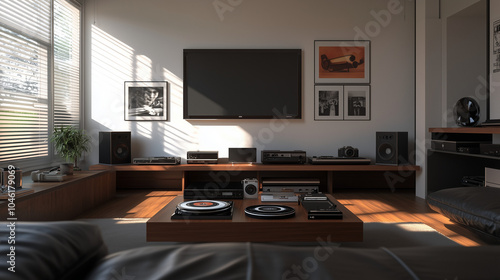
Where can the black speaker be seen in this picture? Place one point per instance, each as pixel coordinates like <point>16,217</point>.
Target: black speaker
<point>242,155</point>
<point>392,148</point>
<point>114,147</point>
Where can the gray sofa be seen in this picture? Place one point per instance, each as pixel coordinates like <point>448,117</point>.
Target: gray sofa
<point>75,250</point>
<point>477,208</point>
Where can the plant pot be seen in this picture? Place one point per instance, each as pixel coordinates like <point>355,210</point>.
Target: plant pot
<point>66,168</point>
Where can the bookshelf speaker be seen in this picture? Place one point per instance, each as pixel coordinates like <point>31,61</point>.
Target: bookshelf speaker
<point>392,148</point>
<point>114,147</point>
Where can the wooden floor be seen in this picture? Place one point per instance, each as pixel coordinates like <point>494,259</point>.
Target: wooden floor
<point>369,205</point>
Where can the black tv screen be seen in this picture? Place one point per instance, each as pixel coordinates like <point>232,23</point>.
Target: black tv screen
<point>242,83</point>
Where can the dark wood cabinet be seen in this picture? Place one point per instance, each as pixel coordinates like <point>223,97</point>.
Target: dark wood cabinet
<point>445,169</point>
<point>331,177</point>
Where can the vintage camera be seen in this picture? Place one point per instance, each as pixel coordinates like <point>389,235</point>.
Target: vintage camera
<point>250,188</point>
<point>46,176</point>
<point>348,152</point>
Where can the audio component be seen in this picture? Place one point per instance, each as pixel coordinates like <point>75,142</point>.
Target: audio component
<point>275,156</point>
<point>114,147</point>
<point>250,188</point>
<point>202,156</point>
<point>245,155</point>
<point>157,160</point>
<point>293,185</point>
<point>319,206</point>
<point>210,190</point>
<point>203,210</point>
<point>267,211</point>
<point>392,148</point>
<point>338,160</point>
<point>489,149</point>
<point>456,146</point>
<point>282,197</point>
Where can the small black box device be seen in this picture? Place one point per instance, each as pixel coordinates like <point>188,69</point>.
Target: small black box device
<point>456,146</point>
<point>280,157</point>
<point>202,156</point>
<point>242,155</point>
<point>319,206</point>
<point>490,149</point>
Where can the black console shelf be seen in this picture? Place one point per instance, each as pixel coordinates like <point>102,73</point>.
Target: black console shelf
<point>446,169</point>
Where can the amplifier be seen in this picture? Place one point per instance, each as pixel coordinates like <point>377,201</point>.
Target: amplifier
<point>157,160</point>
<point>456,146</point>
<point>209,190</point>
<point>490,149</point>
<point>202,156</point>
<point>275,156</point>
<point>296,185</point>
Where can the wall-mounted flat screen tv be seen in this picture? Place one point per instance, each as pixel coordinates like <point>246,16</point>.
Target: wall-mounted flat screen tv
<point>242,83</point>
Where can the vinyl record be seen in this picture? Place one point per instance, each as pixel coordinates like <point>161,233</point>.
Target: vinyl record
<point>269,211</point>
<point>203,206</point>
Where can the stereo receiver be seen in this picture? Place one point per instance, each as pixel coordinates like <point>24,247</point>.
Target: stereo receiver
<point>202,156</point>
<point>274,156</point>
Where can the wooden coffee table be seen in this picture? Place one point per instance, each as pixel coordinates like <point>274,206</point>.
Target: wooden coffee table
<point>242,228</point>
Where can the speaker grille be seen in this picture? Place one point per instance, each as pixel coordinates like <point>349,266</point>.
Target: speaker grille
<point>386,151</point>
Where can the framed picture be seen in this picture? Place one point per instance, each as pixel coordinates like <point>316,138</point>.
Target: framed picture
<point>341,62</point>
<point>357,102</point>
<point>146,101</point>
<point>328,102</point>
<point>493,92</point>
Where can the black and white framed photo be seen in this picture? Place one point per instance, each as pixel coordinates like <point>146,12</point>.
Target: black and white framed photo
<point>146,101</point>
<point>493,92</point>
<point>328,102</point>
<point>357,103</point>
<point>341,62</point>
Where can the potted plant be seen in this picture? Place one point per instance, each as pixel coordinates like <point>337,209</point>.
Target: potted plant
<point>70,143</point>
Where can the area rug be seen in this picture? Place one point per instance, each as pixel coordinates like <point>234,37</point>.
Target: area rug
<point>123,234</point>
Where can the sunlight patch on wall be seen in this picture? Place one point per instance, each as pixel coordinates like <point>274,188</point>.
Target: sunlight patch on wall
<point>113,63</point>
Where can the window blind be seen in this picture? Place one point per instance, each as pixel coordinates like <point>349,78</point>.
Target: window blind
<point>39,76</point>
<point>23,97</point>
<point>66,64</point>
<point>29,17</point>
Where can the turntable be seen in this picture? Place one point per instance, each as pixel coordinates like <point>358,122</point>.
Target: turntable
<point>203,210</point>
<point>269,211</point>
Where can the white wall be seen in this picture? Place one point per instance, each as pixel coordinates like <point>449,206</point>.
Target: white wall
<point>131,40</point>
<point>434,105</point>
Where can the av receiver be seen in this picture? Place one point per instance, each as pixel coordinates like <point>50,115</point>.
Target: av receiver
<point>275,156</point>
<point>202,156</point>
<point>157,160</point>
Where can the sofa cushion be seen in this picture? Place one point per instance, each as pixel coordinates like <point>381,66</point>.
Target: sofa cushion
<point>49,250</point>
<point>266,261</point>
<point>475,207</point>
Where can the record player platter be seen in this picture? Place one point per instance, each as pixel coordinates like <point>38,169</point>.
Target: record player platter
<point>270,211</point>
<point>203,206</point>
<point>203,210</point>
